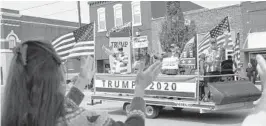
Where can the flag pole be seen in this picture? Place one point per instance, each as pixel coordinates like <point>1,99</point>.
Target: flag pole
<point>198,69</point>
<point>95,61</point>
<point>79,16</point>
<point>132,39</point>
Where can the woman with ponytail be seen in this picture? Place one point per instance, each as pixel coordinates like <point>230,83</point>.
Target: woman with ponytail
<point>35,88</point>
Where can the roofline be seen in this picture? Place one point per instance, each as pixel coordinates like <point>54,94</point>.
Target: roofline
<point>201,10</point>
<point>40,23</point>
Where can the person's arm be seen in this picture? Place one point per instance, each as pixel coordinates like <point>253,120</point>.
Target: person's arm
<point>108,51</point>
<point>76,91</point>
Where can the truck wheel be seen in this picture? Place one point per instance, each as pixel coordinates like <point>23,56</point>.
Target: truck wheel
<point>152,111</point>
<point>126,107</point>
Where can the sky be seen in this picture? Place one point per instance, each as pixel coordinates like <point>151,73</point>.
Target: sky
<point>67,10</point>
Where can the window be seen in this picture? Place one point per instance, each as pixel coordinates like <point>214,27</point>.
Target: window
<point>101,20</point>
<point>118,16</point>
<point>136,13</point>
<point>12,41</point>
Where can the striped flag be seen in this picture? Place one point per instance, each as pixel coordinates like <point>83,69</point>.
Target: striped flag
<point>77,43</point>
<point>187,56</point>
<point>221,32</point>
<point>237,50</point>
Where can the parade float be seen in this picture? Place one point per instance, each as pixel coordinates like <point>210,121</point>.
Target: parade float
<point>182,90</point>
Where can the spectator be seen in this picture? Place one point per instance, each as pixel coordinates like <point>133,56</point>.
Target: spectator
<point>250,72</point>
<point>34,93</point>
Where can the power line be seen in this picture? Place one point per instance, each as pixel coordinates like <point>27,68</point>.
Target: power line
<point>39,6</point>
<point>59,12</point>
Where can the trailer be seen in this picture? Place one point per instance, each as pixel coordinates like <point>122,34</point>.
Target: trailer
<point>178,92</point>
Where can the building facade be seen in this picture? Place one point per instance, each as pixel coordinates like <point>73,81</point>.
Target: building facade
<point>245,18</point>
<point>205,20</point>
<point>17,28</point>
<point>254,26</point>
<point>109,14</point>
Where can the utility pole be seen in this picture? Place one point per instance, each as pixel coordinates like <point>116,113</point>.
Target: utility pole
<point>78,4</point>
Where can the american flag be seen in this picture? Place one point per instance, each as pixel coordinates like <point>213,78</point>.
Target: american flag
<point>221,32</point>
<point>77,43</point>
<point>237,50</point>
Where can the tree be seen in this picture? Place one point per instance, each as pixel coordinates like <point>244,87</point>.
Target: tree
<point>173,27</point>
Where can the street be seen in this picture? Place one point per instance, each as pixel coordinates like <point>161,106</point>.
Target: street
<point>185,118</point>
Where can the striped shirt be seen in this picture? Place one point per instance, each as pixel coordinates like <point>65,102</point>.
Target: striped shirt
<point>120,63</point>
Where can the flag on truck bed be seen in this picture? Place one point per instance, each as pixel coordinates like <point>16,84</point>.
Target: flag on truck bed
<point>77,43</point>
<point>221,32</point>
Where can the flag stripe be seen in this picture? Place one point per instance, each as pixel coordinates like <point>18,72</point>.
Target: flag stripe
<point>89,43</point>
<point>57,41</point>
<point>83,53</point>
<point>65,41</point>
<point>84,48</point>
<point>66,45</point>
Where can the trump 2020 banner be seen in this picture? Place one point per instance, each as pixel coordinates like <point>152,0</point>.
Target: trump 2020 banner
<point>116,40</point>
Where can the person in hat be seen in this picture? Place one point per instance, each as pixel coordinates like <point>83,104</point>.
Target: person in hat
<point>121,59</point>
<point>213,59</point>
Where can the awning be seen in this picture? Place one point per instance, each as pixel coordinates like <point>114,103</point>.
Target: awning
<point>253,49</point>
<point>255,42</point>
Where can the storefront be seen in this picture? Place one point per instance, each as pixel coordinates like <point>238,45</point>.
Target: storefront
<point>254,45</point>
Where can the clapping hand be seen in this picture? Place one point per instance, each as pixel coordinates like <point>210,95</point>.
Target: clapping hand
<point>145,78</point>
<point>258,119</point>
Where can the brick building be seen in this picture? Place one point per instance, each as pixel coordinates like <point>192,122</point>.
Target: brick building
<point>17,28</point>
<point>245,18</point>
<point>108,14</point>
<point>205,20</point>
<point>254,26</point>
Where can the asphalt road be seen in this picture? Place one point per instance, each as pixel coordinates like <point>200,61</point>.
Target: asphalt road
<point>171,118</point>
<point>168,117</point>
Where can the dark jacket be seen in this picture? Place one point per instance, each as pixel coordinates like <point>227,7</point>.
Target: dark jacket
<point>250,71</point>
<point>227,67</point>
<point>77,116</point>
